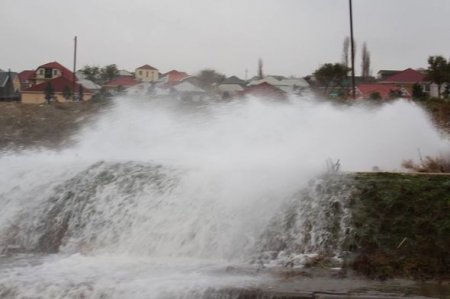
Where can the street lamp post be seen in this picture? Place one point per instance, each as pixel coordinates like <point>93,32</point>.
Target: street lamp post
<point>352,47</point>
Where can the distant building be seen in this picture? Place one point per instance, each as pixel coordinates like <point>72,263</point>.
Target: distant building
<point>383,74</point>
<point>88,84</point>
<point>51,71</point>
<point>9,86</point>
<point>265,90</point>
<point>230,87</point>
<point>288,85</point>
<point>173,76</point>
<point>125,73</point>
<point>146,73</point>
<point>381,91</point>
<point>407,78</point>
<point>27,78</point>
<point>120,83</point>
<point>36,94</point>
<point>187,91</point>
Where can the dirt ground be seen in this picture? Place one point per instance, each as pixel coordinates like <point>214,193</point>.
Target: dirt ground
<point>35,126</point>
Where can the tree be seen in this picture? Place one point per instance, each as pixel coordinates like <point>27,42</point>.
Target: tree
<point>345,51</point>
<point>208,77</point>
<point>100,75</point>
<point>91,73</point>
<point>260,69</point>
<point>109,72</point>
<point>67,93</point>
<point>438,71</point>
<point>49,92</point>
<point>330,75</point>
<point>417,92</point>
<point>375,96</point>
<point>365,62</point>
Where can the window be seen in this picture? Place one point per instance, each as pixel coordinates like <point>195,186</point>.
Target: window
<point>41,71</point>
<point>55,72</point>
<point>140,73</point>
<point>146,74</point>
<point>48,73</point>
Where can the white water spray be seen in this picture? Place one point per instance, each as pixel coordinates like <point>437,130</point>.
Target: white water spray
<point>181,189</point>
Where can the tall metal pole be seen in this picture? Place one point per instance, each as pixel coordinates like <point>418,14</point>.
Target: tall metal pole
<point>352,46</point>
<point>74,66</point>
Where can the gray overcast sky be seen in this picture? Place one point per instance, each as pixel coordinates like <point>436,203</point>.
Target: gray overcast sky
<point>293,37</point>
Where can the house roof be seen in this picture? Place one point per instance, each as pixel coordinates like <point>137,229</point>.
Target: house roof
<point>299,82</point>
<point>269,80</point>
<point>147,67</point>
<point>233,80</point>
<point>125,73</point>
<point>27,75</point>
<point>264,89</point>
<point>89,84</point>
<point>122,81</point>
<point>175,76</point>
<point>185,86</point>
<point>407,76</point>
<point>366,90</point>
<point>65,72</point>
<point>230,87</point>
<point>58,85</point>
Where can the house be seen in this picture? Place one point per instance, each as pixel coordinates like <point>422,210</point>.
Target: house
<point>125,73</point>
<point>187,91</point>
<point>51,71</point>
<point>381,91</point>
<point>230,87</point>
<point>288,85</point>
<point>269,80</point>
<point>60,85</point>
<point>88,84</point>
<point>141,89</point>
<point>407,78</point>
<point>265,90</point>
<point>293,85</point>
<point>174,76</point>
<point>27,78</point>
<point>9,86</point>
<point>146,73</point>
<point>120,83</point>
<point>383,74</point>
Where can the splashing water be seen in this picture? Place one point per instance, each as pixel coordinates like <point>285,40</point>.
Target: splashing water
<point>157,198</point>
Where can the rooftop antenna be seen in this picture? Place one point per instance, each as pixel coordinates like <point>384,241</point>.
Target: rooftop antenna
<point>74,79</point>
<point>352,46</point>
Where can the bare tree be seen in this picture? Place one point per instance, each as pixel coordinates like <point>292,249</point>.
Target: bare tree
<point>260,69</point>
<point>365,62</point>
<point>345,51</point>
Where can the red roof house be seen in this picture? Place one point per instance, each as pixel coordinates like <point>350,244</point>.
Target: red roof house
<point>51,71</point>
<point>121,82</point>
<point>27,78</point>
<point>36,93</point>
<point>385,91</point>
<point>408,76</point>
<point>175,76</point>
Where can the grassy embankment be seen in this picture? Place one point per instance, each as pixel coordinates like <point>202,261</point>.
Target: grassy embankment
<point>401,225</point>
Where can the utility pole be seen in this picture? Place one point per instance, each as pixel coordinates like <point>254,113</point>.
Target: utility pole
<point>74,67</point>
<point>352,46</point>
